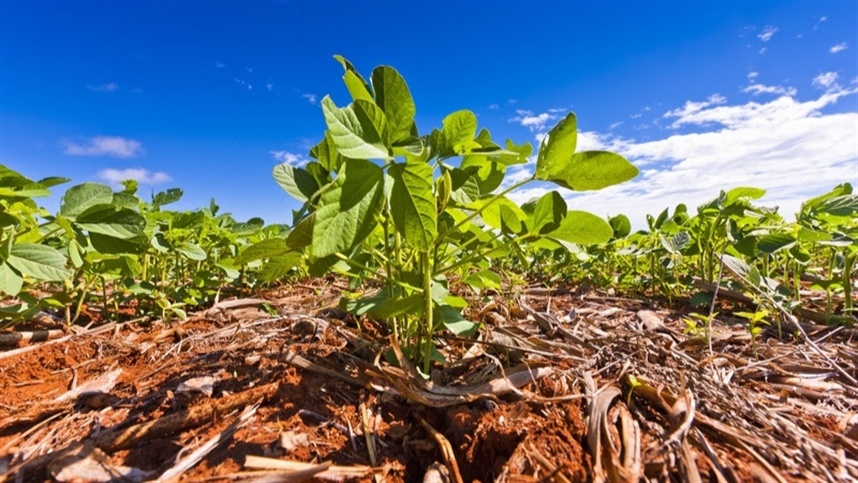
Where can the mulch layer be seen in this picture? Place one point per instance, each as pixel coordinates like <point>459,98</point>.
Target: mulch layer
<point>560,385</point>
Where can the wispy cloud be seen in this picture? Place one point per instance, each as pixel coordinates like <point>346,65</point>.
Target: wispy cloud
<point>839,47</point>
<point>109,87</point>
<point>311,98</point>
<point>826,80</point>
<point>141,175</point>
<point>220,65</point>
<point>692,109</point>
<point>768,32</point>
<point>534,122</point>
<point>757,89</point>
<point>105,146</point>
<point>289,158</point>
<point>243,83</point>
<point>494,107</point>
<point>765,145</point>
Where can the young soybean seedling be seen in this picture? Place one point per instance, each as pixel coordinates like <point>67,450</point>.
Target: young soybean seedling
<point>755,319</point>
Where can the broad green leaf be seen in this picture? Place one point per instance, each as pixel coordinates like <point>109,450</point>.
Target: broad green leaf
<point>492,215</point>
<point>557,148</point>
<point>268,248</point>
<point>548,213</point>
<point>355,83</point>
<point>381,307</point>
<point>52,181</point>
<point>347,211</point>
<point>484,279</point>
<point>453,321</point>
<point>39,262</point>
<point>125,200</point>
<point>844,206</point>
<point>742,194</point>
<point>621,226</point>
<point>589,170</point>
<point>358,130</point>
<point>773,242</point>
<point>111,245</point>
<point>460,128</point>
<point>327,155</point>
<point>522,152</point>
<point>192,251</point>
<point>187,220</point>
<point>279,266</point>
<point>296,181</point>
<point>583,228</point>
<point>10,282</point>
<point>412,204</point>
<point>301,235</point>
<point>107,220</point>
<point>466,188</point>
<point>78,199</point>
<point>394,98</point>
<point>488,173</point>
<point>805,234</point>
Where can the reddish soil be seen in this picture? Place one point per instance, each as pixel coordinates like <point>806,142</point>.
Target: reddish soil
<point>536,433</point>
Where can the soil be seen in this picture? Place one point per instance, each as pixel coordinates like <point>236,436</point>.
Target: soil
<point>615,389</point>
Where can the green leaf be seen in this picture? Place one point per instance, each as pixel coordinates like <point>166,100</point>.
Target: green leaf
<point>78,199</point>
<point>296,181</point>
<point>489,174</point>
<point>327,155</point>
<point>356,85</point>
<point>268,248</point>
<point>10,282</point>
<point>742,194</point>
<point>773,242</point>
<point>107,220</point>
<point>465,188</point>
<point>583,228</point>
<point>454,322</point>
<point>39,262</point>
<point>497,218</point>
<point>279,266</point>
<point>460,128</point>
<point>412,204</point>
<point>557,148</point>
<point>394,98</point>
<point>358,130</point>
<point>621,226</point>
<point>589,170</point>
<point>548,213</point>
<point>381,307</point>
<point>484,279</point>
<point>301,235</point>
<point>52,181</point>
<point>192,251</point>
<point>111,245</point>
<point>346,214</point>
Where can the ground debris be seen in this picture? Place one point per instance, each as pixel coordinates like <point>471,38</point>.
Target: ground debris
<point>565,387</point>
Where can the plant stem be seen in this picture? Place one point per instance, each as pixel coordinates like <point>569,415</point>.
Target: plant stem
<point>427,299</point>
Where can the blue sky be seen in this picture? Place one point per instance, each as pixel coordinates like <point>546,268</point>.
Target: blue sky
<point>209,97</point>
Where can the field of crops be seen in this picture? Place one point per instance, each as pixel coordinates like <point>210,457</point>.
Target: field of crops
<point>414,322</point>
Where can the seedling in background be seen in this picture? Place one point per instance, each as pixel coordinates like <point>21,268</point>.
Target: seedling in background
<point>755,320</point>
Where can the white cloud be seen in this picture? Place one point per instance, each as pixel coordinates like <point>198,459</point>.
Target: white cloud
<point>787,146</point>
<point>692,108</point>
<point>109,87</point>
<point>757,89</point>
<point>767,33</point>
<point>289,158</point>
<point>141,175</point>
<point>753,75</point>
<point>105,146</point>
<point>763,51</point>
<point>826,80</point>
<point>311,98</point>
<point>220,65</point>
<point>534,122</point>
<point>839,47</point>
<point>494,107</point>
<point>269,86</point>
